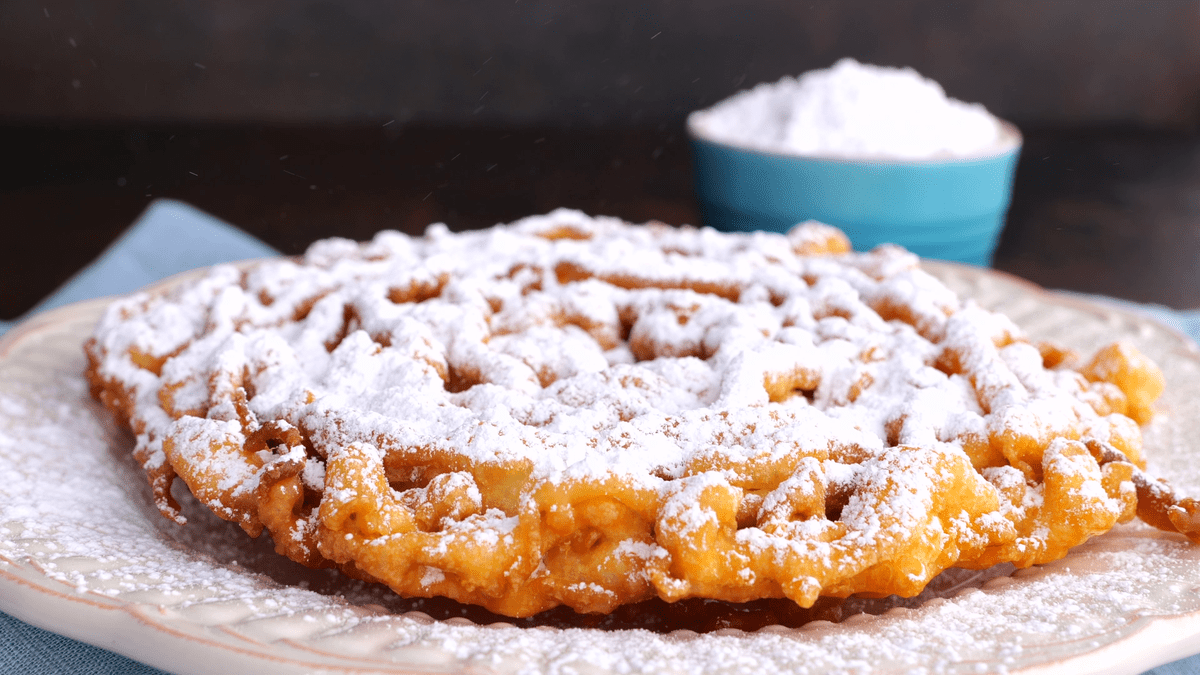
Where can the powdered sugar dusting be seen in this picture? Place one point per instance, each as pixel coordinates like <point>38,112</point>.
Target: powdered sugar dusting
<point>451,388</point>
<point>547,378</point>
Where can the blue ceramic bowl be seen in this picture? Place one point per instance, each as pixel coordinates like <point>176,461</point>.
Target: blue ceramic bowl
<point>952,209</point>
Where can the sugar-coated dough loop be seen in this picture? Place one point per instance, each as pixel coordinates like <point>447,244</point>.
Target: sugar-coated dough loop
<point>577,411</point>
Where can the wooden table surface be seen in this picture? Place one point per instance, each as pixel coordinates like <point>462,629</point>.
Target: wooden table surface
<point>1112,211</point>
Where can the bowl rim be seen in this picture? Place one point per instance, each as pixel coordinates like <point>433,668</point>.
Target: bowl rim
<point>1010,141</point>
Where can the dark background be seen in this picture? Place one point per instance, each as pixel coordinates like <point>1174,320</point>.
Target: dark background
<point>300,120</point>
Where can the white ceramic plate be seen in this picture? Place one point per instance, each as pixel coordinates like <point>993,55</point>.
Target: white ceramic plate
<point>83,553</point>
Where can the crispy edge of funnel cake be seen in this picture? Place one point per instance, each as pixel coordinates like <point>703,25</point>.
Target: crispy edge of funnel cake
<point>424,521</point>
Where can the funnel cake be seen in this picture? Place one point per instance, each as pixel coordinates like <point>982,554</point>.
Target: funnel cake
<point>578,411</point>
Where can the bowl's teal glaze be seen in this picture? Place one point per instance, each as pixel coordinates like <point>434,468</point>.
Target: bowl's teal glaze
<point>952,209</point>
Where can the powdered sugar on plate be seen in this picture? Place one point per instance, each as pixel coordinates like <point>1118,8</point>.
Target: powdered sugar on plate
<point>76,524</point>
<point>853,111</point>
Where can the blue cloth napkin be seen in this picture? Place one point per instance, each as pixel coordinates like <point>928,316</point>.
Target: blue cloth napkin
<point>172,237</point>
<point>168,238</point>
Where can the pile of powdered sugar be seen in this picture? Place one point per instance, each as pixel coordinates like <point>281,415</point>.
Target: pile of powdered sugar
<point>852,110</point>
